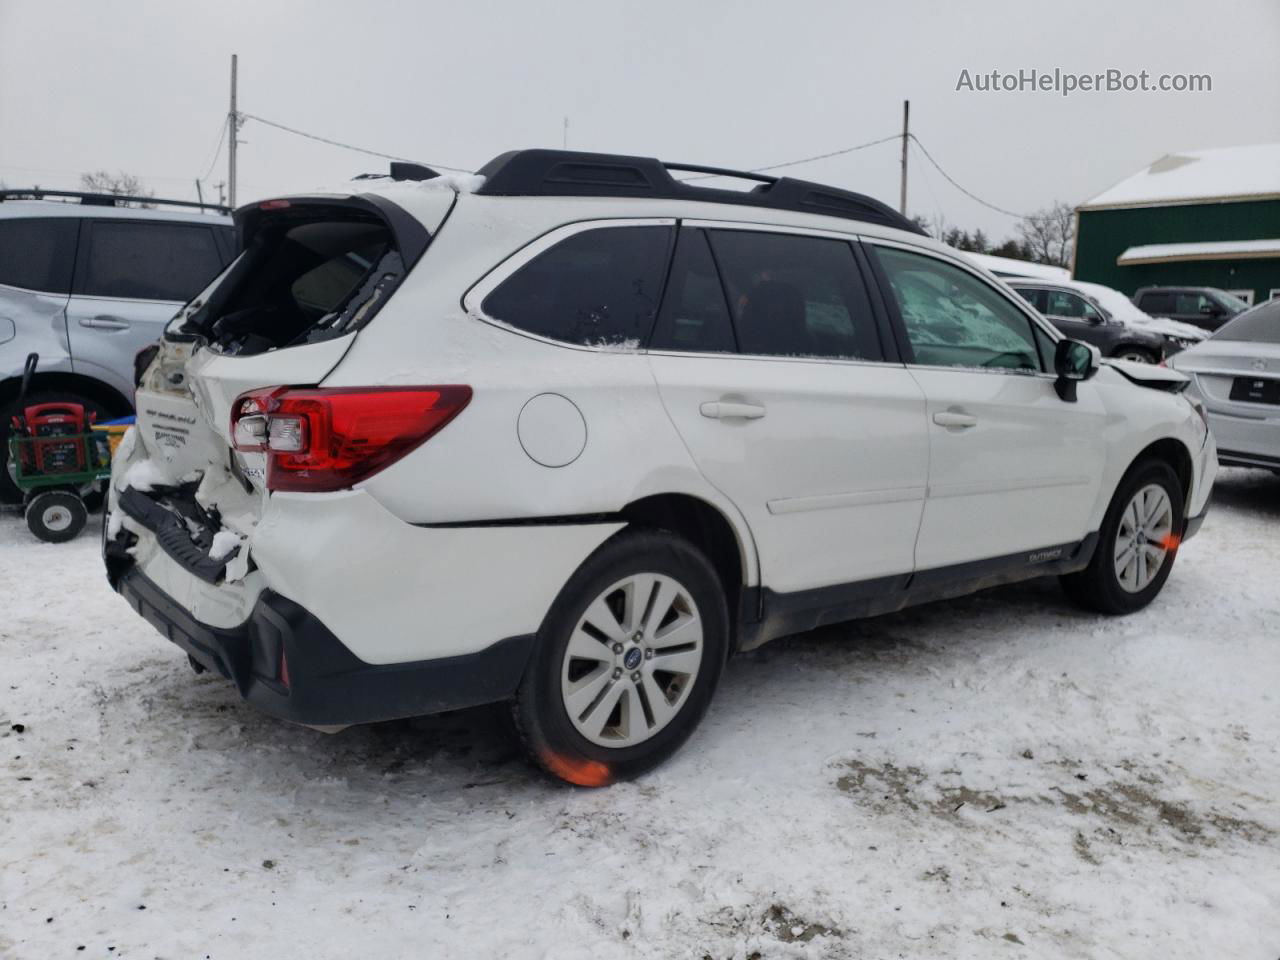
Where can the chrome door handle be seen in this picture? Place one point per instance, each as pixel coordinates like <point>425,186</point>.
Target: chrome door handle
<point>949,418</point>
<point>727,409</point>
<point>104,322</point>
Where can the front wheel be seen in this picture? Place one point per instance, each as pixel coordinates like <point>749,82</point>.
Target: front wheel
<point>1137,543</point>
<point>626,661</point>
<point>56,516</point>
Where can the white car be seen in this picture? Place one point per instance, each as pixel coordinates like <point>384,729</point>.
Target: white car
<point>570,432</point>
<point>1236,372</point>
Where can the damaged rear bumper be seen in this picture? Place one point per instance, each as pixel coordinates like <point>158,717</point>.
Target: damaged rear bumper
<point>285,662</point>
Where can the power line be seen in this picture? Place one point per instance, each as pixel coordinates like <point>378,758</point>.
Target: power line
<point>967,193</point>
<point>793,163</point>
<point>346,146</point>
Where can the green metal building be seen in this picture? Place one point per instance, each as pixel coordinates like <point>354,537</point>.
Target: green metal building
<point>1208,218</point>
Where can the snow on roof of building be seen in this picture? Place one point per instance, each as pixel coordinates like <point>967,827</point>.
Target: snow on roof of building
<point>1206,250</point>
<point>1229,173</point>
<point>1006,266</point>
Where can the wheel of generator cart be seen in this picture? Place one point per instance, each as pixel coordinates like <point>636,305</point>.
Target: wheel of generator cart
<point>56,516</point>
<point>626,661</point>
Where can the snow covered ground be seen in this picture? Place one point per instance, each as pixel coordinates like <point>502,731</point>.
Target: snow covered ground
<point>1000,776</point>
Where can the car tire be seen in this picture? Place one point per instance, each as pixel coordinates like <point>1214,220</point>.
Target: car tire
<point>1136,354</point>
<point>9,492</point>
<point>596,705</point>
<point>1137,543</point>
<point>56,516</point>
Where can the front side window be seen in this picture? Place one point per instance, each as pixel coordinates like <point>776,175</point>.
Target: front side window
<point>1192,303</point>
<point>38,254</point>
<point>597,288</point>
<point>953,319</point>
<point>794,296</point>
<point>138,260</point>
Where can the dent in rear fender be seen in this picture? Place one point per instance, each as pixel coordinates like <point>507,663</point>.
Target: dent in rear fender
<point>393,592</point>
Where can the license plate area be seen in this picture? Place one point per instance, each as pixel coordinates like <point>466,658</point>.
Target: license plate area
<point>1256,390</point>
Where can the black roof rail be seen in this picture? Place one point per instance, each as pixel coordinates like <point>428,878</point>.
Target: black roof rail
<point>569,173</point>
<point>106,199</point>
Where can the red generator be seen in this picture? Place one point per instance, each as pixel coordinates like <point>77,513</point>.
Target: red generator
<point>55,432</point>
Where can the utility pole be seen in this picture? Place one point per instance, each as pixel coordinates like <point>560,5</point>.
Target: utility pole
<point>906,133</point>
<point>200,197</point>
<point>233,131</point>
<point>565,144</point>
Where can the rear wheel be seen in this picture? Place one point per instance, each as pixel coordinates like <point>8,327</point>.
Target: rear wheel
<point>56,516</point>
<point>1137,543</point>
<point>626,661</point>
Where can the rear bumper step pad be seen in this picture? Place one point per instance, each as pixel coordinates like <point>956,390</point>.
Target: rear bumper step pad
<point>174,537</point>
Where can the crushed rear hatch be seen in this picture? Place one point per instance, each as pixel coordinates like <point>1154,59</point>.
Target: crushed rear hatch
<point>314,271</point>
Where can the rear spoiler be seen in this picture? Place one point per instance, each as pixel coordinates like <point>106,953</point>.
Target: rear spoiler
<point>412,238</point>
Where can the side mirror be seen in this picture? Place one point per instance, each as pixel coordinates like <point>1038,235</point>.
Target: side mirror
<point>1073,361</point>
<point>1211,310</point>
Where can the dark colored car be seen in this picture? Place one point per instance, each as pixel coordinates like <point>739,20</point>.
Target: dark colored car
<point>1206,307</point>
<point>1081,319</point>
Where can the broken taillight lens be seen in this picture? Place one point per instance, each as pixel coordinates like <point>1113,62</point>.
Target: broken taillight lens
<point>322,439</point>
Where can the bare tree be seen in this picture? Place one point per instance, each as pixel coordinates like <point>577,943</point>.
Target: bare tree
<point>1049,234</point>
<point>118,184</point>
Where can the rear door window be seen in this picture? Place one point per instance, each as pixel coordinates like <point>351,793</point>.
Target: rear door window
<point>598,287</point>
<point>140,260</point>
<point>694,315</point>
<point>1037,298</point>
<point>954,319</point>
<point>795,296</point>
<point>38,254</point>
<point>1156,303</point>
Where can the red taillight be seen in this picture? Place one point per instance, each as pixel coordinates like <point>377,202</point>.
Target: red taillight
<point>321,439</point>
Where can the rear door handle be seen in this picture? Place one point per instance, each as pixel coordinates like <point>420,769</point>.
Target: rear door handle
<point>949,418</point>
<point>104,322</point>
<point>726,409</point>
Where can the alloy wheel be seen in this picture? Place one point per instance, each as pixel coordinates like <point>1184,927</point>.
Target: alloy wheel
<point>1144,537</point>
<point>632,660</point>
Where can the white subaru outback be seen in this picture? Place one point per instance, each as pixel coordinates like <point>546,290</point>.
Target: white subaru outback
<point>570,432</point>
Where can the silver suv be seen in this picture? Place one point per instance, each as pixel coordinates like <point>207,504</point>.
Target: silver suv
<point>86,282</point>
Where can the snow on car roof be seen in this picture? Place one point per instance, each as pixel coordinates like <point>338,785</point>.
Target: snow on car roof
<point>1006,266</point>
<point>1206,250</point>
<point>1220,174</point>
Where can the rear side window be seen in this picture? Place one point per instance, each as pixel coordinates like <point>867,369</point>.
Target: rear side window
<point>598,287</point>
<point>694,316</point>
<point>148,261</point>
<point>794,296</point>
<point>38,254</point>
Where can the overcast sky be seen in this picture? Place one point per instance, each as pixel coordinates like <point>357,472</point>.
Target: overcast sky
<point>142,86</point>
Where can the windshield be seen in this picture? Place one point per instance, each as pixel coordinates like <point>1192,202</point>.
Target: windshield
<point>1259,325</point>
